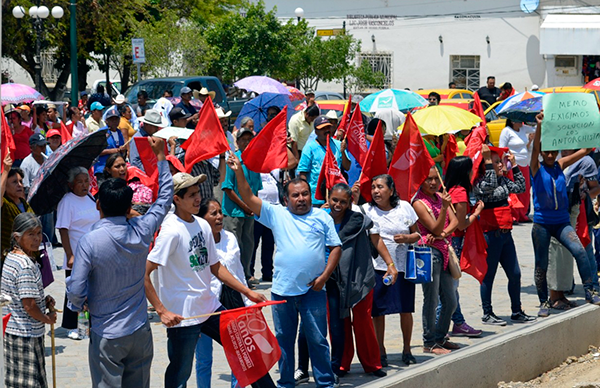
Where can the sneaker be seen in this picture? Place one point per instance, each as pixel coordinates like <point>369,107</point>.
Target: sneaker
<point>336,381</point>
<point>492,319</point>
<point>464,330</point>
<point>74,334</point>
<point>592,297</point>
<point>544,310</point>
<point>300,377</point>
<point>253,280</point>
<point>521,317</point>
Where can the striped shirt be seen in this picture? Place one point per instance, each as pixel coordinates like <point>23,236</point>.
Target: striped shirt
<point>110,264</point>
<point>22,279</point>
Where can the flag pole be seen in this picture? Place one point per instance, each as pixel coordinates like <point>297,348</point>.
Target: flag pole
<point>444,188</point>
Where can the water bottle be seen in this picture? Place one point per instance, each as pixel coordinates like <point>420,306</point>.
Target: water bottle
<point>83,324</point>
<point>387,280</point>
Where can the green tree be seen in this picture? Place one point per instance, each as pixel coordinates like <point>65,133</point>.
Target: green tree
<point>362,77</point>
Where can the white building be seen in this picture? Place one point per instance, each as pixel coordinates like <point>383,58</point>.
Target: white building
<point>429,43</point>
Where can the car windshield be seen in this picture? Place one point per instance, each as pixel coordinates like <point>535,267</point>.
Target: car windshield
<point>155,89</point>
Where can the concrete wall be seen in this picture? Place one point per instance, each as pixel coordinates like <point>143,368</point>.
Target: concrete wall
<point>519,355</point>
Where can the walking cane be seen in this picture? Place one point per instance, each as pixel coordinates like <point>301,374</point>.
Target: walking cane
<point>52,309</point>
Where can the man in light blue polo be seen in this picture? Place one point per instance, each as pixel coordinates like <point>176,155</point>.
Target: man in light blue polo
<point>302,233</point>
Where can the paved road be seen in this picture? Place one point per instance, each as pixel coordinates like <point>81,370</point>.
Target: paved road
<point>72,359</point>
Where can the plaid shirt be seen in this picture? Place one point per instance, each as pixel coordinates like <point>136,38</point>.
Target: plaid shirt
<point>204,167</point>
<point>494,190</point>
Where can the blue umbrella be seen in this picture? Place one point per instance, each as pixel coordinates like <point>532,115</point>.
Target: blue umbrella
<point>403,100</point>
<point>517,98</point>
<point>525,111</point>
<point>256,108</point>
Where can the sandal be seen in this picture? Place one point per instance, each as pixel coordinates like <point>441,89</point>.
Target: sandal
<point>408,359</point>
<point>560,305</point>
<point>569,302</point>
<point>435,349</point>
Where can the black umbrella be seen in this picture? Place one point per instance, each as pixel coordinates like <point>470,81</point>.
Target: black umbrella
<point>50,184</point>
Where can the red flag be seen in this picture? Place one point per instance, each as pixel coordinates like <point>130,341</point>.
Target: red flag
<point>8,143</point>
<point>5,320</point>
<point>478,109</point>
<point>473,259</point>
<point>93,182</point>
<point>375,163</point>
<point>342,126</point>
<point>411,161</point>
<point>176,163</point>
<point>65,135</point>
<point>355,136</point>
<point>250,346</point>
<point>151,182</point>
<point>147,156</point>
<point>581,228</point>
<point>475,140</point>
<point>330,173</point>
<point>268,150</point>
<point>208,139</point>
<point>451,151</point>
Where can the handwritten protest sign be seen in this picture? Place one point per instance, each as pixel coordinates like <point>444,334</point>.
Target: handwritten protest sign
<point>571,121</point>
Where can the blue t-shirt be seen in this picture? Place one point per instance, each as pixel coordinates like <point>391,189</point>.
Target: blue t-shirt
<point>110,139</point>
<point>229,207</point>
<point>550,199</point>
<point>311,161</point>
<point>301,242</point>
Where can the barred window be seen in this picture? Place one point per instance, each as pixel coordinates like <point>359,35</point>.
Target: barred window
<point>464,71</point>
<point>380,62</point>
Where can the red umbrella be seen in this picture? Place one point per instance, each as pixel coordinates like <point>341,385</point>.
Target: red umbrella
<point>593,84</point>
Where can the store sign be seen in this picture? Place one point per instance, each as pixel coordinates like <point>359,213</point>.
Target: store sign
<point>371,22</point>
<point>331,32</point>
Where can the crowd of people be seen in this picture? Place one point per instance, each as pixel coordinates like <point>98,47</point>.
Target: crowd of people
<point>189,245</point>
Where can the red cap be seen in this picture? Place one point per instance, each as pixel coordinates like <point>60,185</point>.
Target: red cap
<point>52,132</point>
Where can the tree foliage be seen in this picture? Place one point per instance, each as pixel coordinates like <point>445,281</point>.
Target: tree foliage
<point>362,78</point>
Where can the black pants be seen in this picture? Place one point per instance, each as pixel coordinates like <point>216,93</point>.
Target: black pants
<point>69,320</point>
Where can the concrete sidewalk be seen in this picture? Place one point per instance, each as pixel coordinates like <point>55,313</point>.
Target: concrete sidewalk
<point>72,364</point>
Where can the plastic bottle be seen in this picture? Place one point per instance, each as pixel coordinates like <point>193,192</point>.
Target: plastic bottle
<point>83,324</point>
<point>387,280</point>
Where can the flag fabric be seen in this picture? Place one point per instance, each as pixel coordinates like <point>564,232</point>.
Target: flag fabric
<point>342,126</point>
<point>65,135</point>
<point>208,139</point>
<point>147,156</point>
<point>478,109</point>
<point>250,346</point>
<point>8,143</point>
<point>176,163</point>
<point>475,140</point>
<point>151,182</point>
<point>411,161</point>
<point>375,162</point>
<point>268,150</point>
<point>5,320</point>
<point>581,227</point>
<point>330,173</point>
<point>93,182</point>
<point>451,151</point>
<point>356,137</point>
<point>473,259</point>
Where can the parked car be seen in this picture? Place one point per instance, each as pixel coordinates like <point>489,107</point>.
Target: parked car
<point>156,87</point>
<point>114,83</point>
<point>446,94</point>
<point>319,96</point>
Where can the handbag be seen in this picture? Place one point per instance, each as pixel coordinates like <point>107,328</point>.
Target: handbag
<point>419,264</point>
<point>453,263</point>
<point>45,261</point>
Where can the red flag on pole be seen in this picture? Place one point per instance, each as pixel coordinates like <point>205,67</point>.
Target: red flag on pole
<point>451,151</point>
<point>581,227</point>
<point>147,156</point>
<point>250,346</point>
<point>268,150</point>
<point>355,136</point>
<point>473,259</point>
<point>149,181</point>
<point>8,143</point>
<point>342,126</point>
<point>65,135</point>
<point>375,162</point>
<point>478,109</point>
<point>208,139</point>
<point>330,173</point>
<point>475,140</point>
<point>411,161</point>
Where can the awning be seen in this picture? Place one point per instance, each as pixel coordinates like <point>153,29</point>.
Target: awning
<point>570,35</point>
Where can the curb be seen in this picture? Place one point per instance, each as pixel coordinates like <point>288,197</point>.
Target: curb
<point>519,355</point>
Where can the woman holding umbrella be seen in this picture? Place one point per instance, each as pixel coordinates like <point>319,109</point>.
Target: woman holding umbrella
<point>22,281</point>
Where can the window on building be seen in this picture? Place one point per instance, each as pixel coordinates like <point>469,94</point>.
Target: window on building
<point>565,61</point>
<point>48,60</point>
<point>380,62</point>
<point>464,71</point>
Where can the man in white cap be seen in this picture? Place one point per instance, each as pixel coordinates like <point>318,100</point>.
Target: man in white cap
<point>120,101</point>
<point>186,97</point>
<point>151,123</point>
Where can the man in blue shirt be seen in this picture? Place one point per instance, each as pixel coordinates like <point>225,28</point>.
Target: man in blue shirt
<point>186,97</point>
<point>239,218</point>
<point>313,155</point>
<point>301,235</point>
<point>108,274</point>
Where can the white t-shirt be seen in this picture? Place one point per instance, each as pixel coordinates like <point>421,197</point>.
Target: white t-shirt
<point>516,142</point>
<point>229,256</point>
<point>30,168</point>
<point>388,224</point>
<point>77,214</point>
<point>269,192</point>
<point>184,252</point>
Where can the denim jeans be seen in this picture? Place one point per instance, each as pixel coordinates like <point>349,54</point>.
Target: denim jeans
<point>596,233</point>
<point>204,357</point>
<point>441,288</point>
<point>312,309</point>
<point>181,346</point>
<point>589,250</point>
<point>458,318</point>
<point>501,250</point>
<point>565,234</point>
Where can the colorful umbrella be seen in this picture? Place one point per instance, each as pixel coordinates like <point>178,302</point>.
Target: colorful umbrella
<point>262,84</point>
<point>50,184</point>
<point>403,100</point>
<point>295,94</point>
<point>17,93</point>
<point>193,102</point>
<point>593,84</point>
<point>525,111</point>
<point>256,109</point>
<point>517,98</point>
<point>441,119</point>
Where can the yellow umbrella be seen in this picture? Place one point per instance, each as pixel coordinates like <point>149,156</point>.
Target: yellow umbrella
<point>441,119</point>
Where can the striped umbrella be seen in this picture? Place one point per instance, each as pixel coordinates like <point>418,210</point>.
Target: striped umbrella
<point>517,98</point>
<point>18,93</point>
